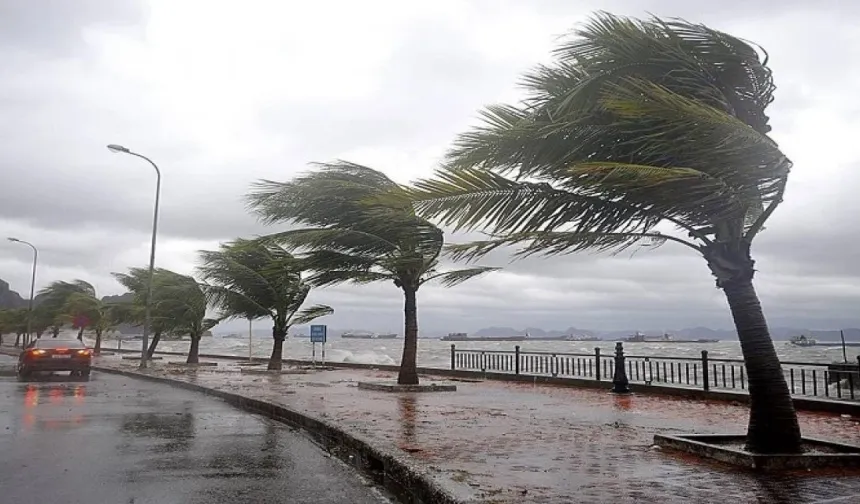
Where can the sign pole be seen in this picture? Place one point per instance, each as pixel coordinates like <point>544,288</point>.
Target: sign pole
<point>318,335</point>
<point>250,340</point>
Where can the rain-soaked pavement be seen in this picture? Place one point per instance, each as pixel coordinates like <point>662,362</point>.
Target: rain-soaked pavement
<point>494,442</point>
<point>122,441</point>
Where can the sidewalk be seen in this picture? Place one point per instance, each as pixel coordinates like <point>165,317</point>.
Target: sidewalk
<point>493,442</point>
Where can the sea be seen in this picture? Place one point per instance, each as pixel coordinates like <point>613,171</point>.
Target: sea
<point>437,353</point>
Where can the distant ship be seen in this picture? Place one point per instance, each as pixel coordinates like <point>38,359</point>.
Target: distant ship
<point>666,338</point>
<point>367,335</point>
<point>802,340</point>
<point>525,337</point>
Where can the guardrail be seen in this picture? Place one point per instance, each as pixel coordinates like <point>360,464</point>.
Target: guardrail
<point>811,379</point>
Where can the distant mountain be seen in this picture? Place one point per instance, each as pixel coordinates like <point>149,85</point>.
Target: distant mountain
<point>128,297</point>
<point>9,298</point>
<point>777,333</point>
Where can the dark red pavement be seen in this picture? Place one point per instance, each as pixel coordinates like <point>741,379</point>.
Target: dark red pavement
<point>496,442</point>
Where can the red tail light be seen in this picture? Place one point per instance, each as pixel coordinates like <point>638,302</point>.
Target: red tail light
<point>85,353</point>
<point>35,352</point>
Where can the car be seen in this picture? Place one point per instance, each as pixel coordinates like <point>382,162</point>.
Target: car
<point>50,355</point>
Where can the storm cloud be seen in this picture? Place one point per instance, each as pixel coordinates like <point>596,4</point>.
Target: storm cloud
<point>220,94</point>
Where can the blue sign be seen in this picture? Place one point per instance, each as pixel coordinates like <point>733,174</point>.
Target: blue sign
<point>318,333</point>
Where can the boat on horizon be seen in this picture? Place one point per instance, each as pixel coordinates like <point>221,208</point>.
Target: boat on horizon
<point>666,338</point>
<point>802,340</point>
<point>367,335</point>
<point>526,337</point>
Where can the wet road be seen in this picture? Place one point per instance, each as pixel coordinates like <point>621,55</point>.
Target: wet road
<point>115,440</point>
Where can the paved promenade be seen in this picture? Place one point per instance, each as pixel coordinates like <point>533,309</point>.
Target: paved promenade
<point>494,442</point>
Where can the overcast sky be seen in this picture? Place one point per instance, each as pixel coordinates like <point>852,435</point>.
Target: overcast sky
<point>221,93</point>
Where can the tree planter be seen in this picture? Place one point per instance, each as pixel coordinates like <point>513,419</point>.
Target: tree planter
<point>253,371</point>
<point>395,387</point>
<point>729,449</point>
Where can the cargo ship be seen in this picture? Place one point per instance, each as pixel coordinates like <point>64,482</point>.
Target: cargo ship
<point>367,335</point>
<point>525,337</point>
<point>666,338</point>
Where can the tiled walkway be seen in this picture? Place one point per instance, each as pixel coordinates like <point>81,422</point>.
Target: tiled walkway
<point>495,442</point>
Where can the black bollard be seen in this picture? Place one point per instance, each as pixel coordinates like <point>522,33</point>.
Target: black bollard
<point>620,383</point>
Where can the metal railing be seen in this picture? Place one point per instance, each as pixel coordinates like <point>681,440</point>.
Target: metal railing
<point>813,379</point>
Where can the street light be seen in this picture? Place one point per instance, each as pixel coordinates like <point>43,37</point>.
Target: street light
<point>32,286</point>
<point>147,316</point>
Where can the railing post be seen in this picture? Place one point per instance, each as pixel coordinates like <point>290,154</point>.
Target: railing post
<point>517,359</point>
<point>706,385</point>
<point>620,383</point>
<point>597,362</point>
<point>453,357</point>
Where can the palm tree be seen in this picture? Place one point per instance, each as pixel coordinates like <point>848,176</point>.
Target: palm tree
<point>100,316</point>
<point>639,127</point>
<point>252,279</point>
<point>180,299</point>
<point>135,281</point>
<point>13,321</point>
<point>355,231</point>
<point>55,297</point>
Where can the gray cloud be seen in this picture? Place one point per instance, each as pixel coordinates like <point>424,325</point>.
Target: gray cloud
<point>54,28</point>
<point>79,75</point>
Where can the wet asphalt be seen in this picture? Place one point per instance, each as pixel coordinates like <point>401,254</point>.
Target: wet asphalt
<point>121,441</point>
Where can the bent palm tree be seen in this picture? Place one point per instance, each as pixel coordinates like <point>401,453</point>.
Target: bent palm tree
<point>638,126</point>
<point>357,233</point>
<point>180,299</point>
<point>100,316</point>
<point>135,281</point>
<point>251,279</point>
<point>54,300</point>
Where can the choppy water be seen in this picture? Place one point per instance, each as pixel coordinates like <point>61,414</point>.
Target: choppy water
<point>436,353</point>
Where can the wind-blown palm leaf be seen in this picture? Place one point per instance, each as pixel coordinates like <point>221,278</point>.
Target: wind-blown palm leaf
<point>638,123</point>
<point>311,313</point>
<point>456,277</point>
<point>357,227</point>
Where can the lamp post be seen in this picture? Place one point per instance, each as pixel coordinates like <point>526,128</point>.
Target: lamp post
<point>32,286</point>
<point>148,315</point>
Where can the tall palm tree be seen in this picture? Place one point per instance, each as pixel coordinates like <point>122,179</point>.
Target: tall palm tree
<point>135,281</point>
<point>637,128</point>
<point>356,232</point>
<point>55,297</point>
<point>251,279</point>
<point>180,299</point>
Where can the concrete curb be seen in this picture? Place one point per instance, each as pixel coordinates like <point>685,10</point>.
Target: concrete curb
<point>407,483</point>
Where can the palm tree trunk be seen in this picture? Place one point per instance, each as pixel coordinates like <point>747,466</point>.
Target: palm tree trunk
<point>194,351</point>
<point>156,337</point>
<point>98,346</point>
<point>17,339</point>
<point>773,426</point>
<point>276,362</point>
<point>408,362</point>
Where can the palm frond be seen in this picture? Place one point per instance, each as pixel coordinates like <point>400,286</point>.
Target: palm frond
<point>456,277</point>
<point>311,313</point>
<point>469,198</point>
<point>561,243</point>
